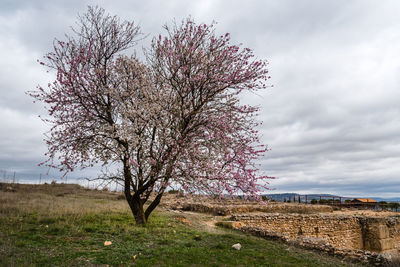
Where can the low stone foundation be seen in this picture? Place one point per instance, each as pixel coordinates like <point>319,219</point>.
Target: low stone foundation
<point>224,207</point>
<point>228,209</point>
<point>321,245</point>
<point>370,239</point>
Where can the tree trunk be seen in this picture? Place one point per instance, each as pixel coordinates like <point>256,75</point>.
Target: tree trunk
<point>153,205</point>
<point>136,206</point>
<point>134,201</point>
<point>139,214</point>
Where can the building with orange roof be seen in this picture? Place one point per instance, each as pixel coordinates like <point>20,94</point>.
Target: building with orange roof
<point>364,200</point>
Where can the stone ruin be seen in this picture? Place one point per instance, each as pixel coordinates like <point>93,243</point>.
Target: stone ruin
<point>371,238</point>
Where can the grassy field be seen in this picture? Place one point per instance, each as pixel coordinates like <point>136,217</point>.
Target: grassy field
<point>67,225</point>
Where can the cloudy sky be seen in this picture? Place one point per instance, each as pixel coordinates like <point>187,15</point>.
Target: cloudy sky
<point>331,119</point>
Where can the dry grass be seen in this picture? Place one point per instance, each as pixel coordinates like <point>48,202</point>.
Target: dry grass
<point>57,199</point>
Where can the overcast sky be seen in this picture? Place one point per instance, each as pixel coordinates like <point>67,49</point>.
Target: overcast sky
<point>331,119</point>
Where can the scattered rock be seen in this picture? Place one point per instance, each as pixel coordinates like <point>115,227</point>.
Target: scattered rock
<point>237,246</point>
<point>10,189</point>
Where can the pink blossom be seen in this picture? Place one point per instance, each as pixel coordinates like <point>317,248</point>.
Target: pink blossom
<point>175,118</point>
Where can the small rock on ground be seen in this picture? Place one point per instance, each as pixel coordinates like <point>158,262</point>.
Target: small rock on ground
<point>237,246</point>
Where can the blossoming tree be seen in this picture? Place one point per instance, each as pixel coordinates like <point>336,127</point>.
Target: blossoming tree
<point>174,118</point>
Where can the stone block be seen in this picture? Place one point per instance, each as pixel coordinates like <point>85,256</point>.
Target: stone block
<point>380,245</point>
<point>386,244</point>
<point>382,231</point>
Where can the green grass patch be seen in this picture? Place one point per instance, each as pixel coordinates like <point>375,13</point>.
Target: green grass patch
<point>38,238</point>
<point>79,241</point>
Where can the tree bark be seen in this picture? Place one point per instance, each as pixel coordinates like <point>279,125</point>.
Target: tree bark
<point>136,206</point>
<point>153,205</point>
<point>134,201</point>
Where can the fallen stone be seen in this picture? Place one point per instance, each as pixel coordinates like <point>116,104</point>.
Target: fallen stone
<point>237,246</point>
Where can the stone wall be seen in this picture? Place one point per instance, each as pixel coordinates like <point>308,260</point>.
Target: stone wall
<point>341,231</point>
<point>381,234</point>
<point>228,209</point>
<point>223,207</point>
<point>321,245</point>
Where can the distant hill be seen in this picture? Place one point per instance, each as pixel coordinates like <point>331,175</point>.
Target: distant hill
<point>393,199</point>
<point>281,197</point>
<point>294,196</point>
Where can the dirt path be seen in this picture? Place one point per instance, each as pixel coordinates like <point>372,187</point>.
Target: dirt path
<point>201,221</point>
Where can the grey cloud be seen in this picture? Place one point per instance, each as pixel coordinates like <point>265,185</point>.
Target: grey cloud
<point>331,120</point>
